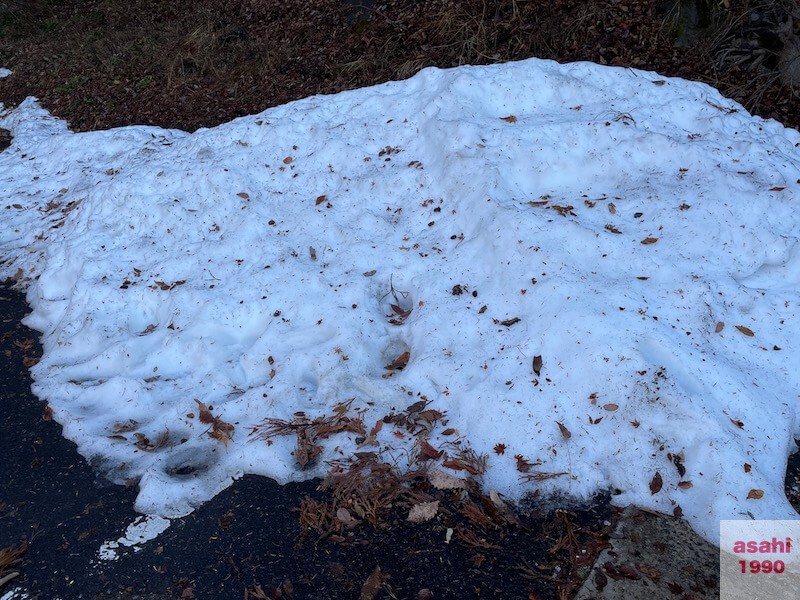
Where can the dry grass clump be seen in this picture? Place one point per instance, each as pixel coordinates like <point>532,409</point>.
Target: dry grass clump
<point>10,559</point>
<point>310,432</point>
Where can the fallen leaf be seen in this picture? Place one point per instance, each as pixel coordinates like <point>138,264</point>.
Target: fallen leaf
<point>244,195</point>
<point>650,571</point>
<point>564,431</point>
<point>737,423</point>
<point>612,229</point>
<point>649,240</point>
<point>378,426</point>
<point>745,330</point>
<point>509,119</point>
<point>429,450</point>
<point>424,511</point>
<point>312,252</point>
<point>537,364</point>
<point>523,465</point>
<point>500,449</point>
<point>205,414</point>
<point>564,210</point>
<point>777,189</point>
<point>287,160</point>
<point>755,494</point>
<point>747,467</point>
<point>656,483</point>
<point>684,485</point>
<point>400,362</point>
<point>371,586</point>
<point>444,481</point>
<point>612,208</point>
<point>510,322</point>
<point>720,326</point>
<point>611,407</point>
<point>659,82</point>
<point>345,517</point>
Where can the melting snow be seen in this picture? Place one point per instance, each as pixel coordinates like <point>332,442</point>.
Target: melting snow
<point>640,234</point>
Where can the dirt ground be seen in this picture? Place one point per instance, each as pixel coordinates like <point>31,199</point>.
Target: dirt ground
<point>181,64</point>
<point>198,63</point>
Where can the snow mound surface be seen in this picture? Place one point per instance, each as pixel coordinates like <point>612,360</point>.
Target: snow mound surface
<point>641,235</point>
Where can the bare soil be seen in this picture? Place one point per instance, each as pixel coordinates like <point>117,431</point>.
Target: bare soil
<point>197,63</point>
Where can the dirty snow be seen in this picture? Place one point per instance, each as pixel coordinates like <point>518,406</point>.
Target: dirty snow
<point>644,231</point>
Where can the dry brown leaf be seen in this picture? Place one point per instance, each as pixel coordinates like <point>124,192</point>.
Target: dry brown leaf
<point>649,570</point>
<point>244,195</point>
<point>429,450</point>
<point>444,481</point>
<point>612,208</point>
<point>737,423</point>
<point>523,464</point>
<point>684,485</point>
<point>777,189</point>
<point>649,240</point>
<point>612,229</point>
<point>509,119</point>
<point>424,511</point>
<point>656,483</point>
<point>755,494</point>
<point>720,326</point>
<point>287,160</point>
<point>371,586</point>
<point>345,517</point>
<point>205,414</point>
<point>564,431</point>
<point>537,364</point>
<point>747,467</point>
<point>611,407</point>
<point>321,199</point>
<point>745,330</point>
<point>400,362</point>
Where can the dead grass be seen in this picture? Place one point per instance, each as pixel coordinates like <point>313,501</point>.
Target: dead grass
<point>309,432</point>
<point>10,561</point>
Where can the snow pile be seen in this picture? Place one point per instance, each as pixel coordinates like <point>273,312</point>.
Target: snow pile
<point>638,234</point>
